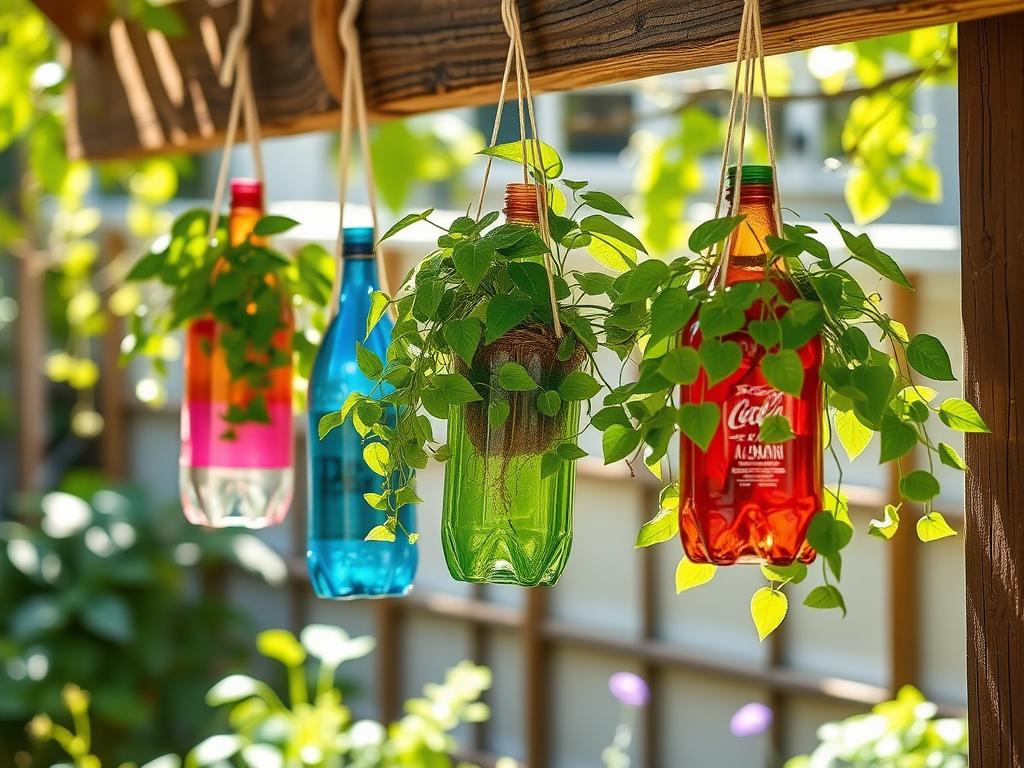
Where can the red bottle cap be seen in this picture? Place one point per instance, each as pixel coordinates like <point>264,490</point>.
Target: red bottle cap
<point>247,193</point>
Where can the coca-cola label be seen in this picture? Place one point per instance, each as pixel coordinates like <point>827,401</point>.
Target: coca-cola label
<point>754,463</point>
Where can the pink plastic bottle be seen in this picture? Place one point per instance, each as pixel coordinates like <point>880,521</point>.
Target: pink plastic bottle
<point>235,474</point>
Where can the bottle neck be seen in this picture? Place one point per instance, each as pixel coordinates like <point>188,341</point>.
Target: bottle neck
<point>359,275</point>
<point>241,223</point>
<point>747,249</point>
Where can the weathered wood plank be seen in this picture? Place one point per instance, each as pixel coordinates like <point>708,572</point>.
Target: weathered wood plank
<point>991,169</point>
<point>424,55</point>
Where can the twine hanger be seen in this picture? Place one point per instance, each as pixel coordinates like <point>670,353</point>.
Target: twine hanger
<point>749,59</point>
<point>353,111</point>
<point>235,70</point>
<point>529,139</point>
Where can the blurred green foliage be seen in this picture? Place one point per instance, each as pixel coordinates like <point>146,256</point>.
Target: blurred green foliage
<point>903,733</point>
<point>311,725</point>
<point>98,590</point>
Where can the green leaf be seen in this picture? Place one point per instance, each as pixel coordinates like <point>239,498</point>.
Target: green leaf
<point>664,526</point>
<point>328,422</point>
<point>472,260</point>
<point>603,226</point>
<point>713,232</point>
<point>853,435</point>
<point>775,429</point>
<point>768,608</point>
<point>578,386</point>
<point>719,318</point>
<point>549,163</point>
<point>767,333</point>
<point>455,389</point>
<point>570,451</point>
<point>690,575</point>
<point>721,359</point>
<point>515,378</point>
<point>933,526</point>
<point>960,415</point>
<point>549,402</point>
<point>377,456</point>
<point>874,382</point>
<point>273,225</point>
<point>162,18</point>
<point>550,463</point>
<point>949,457</point>
<point>369,364</point>
<point>613,414</point>
<point>886,527</point>
<point>898,439</point>
<point>108,616</point>
<point>642,281</point>
<point>605,203</point>
<point>504,313</point>
<point>531,279</point>
<point>864,251</point>
<point>670,311</point>
<point>379,303</point>
<point>463,336</point>
<point>380,533</point>
<point>928,357</point>
<point>826,596</point>
<point>497,413</point>
<point>919,485</point>
<point>406,221</point>
<point>594,283</point>
<point>827,534</point>
<point>784,371</point>
<point>786,574</point>
<point>699,422</point>
<point>680,365</point>
<point>618,442</point>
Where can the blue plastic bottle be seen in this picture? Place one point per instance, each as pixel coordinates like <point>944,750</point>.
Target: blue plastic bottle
<point>341,563</point>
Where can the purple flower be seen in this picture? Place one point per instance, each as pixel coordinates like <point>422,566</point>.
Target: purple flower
<point>751,719</point>
<point>630,689</point>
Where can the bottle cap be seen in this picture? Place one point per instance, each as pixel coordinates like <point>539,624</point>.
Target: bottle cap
<point>752,174</point>
<point>357,242</point>
<point>247,193</point>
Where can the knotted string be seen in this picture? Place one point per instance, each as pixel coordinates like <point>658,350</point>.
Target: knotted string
<point>353,112</point>
<point>749,59</point>
<point>236,70</point>
<point>529,139</point>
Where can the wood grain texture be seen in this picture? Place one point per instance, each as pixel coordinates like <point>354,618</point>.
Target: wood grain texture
<point>991,171</point>
<point>424,55</point>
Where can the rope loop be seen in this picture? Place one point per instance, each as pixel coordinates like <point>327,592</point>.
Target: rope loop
<point>354,114</point>
<point>236,71</point>
<point>749,61</point>
<point>529,139</point>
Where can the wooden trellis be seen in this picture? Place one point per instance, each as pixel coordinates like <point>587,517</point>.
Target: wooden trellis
<point>137,92</point>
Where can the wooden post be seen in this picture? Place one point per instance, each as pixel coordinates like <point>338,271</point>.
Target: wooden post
<point>31,383</point>
<point>991,176</point>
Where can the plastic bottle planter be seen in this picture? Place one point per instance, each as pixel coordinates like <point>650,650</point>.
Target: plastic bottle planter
<point>503,521</point>
<point>341,564</point>
<point>744,501</point>
<point>235,474</point>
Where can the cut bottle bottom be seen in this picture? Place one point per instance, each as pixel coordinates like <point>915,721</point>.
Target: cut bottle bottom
<point>343,570</point>
<point>227,497</point>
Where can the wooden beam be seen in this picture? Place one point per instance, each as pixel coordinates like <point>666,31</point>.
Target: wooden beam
<point>991,169</point>
<point>138,92</point>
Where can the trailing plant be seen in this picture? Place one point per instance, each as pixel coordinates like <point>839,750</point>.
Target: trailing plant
<point>311,725</point>
<point>900,733</point>
<point>95,590</point>
<point>871,370</point>
<point>244,287</point>
<point>484,284</point>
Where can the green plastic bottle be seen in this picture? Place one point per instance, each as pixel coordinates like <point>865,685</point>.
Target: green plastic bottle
<point>503,521</point>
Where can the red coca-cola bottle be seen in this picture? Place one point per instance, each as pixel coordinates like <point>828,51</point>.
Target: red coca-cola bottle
<point>744,501</point>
